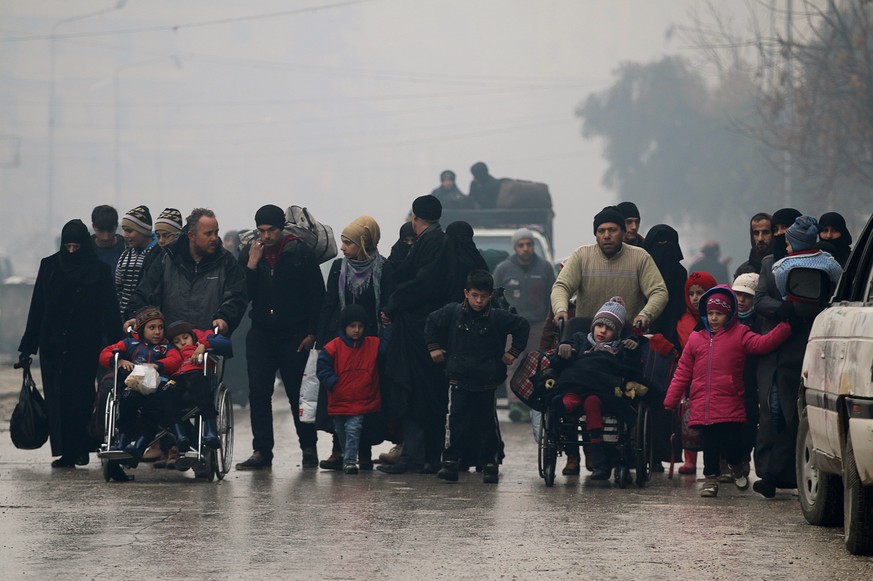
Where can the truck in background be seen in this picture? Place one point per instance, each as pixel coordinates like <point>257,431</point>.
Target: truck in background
<point>520,204</point>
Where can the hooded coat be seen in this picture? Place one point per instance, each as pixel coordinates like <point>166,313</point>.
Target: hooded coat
<point>712,365</point>
<point>842,245</point>
<point>73,314</point>
<point>690,318</point>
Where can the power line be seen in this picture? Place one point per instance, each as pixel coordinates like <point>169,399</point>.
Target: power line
<point>185,25</point>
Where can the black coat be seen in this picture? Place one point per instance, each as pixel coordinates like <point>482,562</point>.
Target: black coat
<point>287,298</point>
<point>72,317</point>
<point>421,288</point>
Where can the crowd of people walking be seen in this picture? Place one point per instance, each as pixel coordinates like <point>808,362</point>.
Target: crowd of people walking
<point>412,347</point>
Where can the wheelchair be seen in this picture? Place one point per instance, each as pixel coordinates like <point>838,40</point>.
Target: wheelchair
<point>628,443</point>
<point>208,463</point>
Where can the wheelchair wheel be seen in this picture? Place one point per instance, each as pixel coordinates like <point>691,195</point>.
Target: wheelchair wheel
<point>622,476</point>
<point>643,450</point>
<point>223,457</point>
<point>548,450</point>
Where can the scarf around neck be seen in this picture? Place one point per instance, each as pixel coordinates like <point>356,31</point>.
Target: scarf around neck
<point>356,276</point>
<point>608,346</point>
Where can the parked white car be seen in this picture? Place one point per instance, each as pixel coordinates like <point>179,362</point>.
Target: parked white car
<point>835,436</point>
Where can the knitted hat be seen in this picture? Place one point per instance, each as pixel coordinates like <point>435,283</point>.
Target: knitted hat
<point>147,314</point>
<point>353,314</point>
<point>178,328</point>
<point>427,208</point>
<point>479,169</point>
<point>521,234</point>
<point>803,234</point>
<point>139,219</point>
<point>702,279</point>
<point>719,303</point>
<point>611,314</point>
<point>746,283</point>
<point>609,214</point>
<point>363,231</point>
<point>169,221</point>
<point>270,215</point>
<point>447,175</point>
<point>785,216</point>
<point>628,210</point>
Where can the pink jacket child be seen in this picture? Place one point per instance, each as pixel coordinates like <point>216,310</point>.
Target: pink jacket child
<point>712,365</point>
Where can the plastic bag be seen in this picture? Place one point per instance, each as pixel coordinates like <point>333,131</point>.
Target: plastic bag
<point>143,378</point>
<point>309,389</point>
<point>29,425</point>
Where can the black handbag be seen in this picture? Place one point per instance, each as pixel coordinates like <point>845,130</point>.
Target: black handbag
<point>29,426</point>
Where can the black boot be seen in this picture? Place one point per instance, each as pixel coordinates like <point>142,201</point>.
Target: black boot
<point>598,461</point>
<point>449,471</point>
<point>183,444</point>
<point>210,434</point>
<point>123,441</point>
<point>490,473</point>
<point>136,450</point>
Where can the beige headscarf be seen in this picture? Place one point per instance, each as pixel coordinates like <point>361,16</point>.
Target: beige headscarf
<point>363,231</point>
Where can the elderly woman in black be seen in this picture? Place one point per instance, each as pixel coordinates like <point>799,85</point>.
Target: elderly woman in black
<point>73,315</point>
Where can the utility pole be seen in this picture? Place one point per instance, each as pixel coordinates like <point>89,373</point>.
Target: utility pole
<point>789,97</point>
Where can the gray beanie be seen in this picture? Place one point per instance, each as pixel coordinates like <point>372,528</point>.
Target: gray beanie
<point>521,234</point>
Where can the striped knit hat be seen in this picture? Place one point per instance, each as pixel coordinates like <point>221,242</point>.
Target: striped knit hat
<point>612,314</point>
<point>146,314</point>
<point>138,219</point>
<point>169,221</point>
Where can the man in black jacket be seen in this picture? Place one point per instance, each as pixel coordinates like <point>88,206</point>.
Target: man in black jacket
<point>287,289</point>
<point>198,282</point>
<point>413,390</point>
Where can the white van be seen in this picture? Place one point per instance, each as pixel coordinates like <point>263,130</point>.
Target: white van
<point>835,436</point>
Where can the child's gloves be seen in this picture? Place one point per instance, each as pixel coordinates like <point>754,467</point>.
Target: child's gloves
<point>660,345</point>
<point>565,351</point>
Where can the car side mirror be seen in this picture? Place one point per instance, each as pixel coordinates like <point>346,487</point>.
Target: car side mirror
<point>808,285</point>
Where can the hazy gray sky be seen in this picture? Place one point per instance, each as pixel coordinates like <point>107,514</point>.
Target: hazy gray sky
<point>350,109</point>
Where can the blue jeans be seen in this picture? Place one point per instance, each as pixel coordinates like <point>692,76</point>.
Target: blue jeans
<point>348,428</point>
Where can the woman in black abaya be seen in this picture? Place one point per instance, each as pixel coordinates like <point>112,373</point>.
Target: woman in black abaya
<point>73,315</point>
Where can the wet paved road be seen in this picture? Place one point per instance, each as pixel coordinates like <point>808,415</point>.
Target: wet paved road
<point>294,523</point>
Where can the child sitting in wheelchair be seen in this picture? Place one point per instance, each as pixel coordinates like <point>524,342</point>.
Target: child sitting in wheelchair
<point>138,414</point>
<point>592,369</point>
<point>189,380</point>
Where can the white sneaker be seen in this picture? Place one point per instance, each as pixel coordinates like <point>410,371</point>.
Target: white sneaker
<point>740,477</point>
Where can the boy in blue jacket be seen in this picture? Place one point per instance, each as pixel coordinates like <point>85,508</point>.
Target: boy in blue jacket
<point>470,337</point>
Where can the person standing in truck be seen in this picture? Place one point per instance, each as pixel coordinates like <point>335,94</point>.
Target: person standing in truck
<point>527,281</point>
<point>484,188</point>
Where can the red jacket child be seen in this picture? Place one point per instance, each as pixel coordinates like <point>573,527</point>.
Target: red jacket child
<point>712,364</point>
<point>349,370</point>
<point>178,360</point>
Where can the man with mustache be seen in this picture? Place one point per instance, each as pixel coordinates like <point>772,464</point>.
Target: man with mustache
<point>761,237</point>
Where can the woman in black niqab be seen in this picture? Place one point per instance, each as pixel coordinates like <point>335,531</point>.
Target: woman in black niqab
<point>662,243</point>
<point>842,244</point>
<point>461,257</point>
<point>73,315</point>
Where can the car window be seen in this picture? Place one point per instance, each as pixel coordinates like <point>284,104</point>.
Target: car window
<point>503,243</point>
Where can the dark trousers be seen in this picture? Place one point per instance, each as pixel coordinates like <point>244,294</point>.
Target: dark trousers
<point>267,353</point>
<point>139,415</point>
<point>721,441</point>
<point>194,387</point>
<point>472,417</point>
